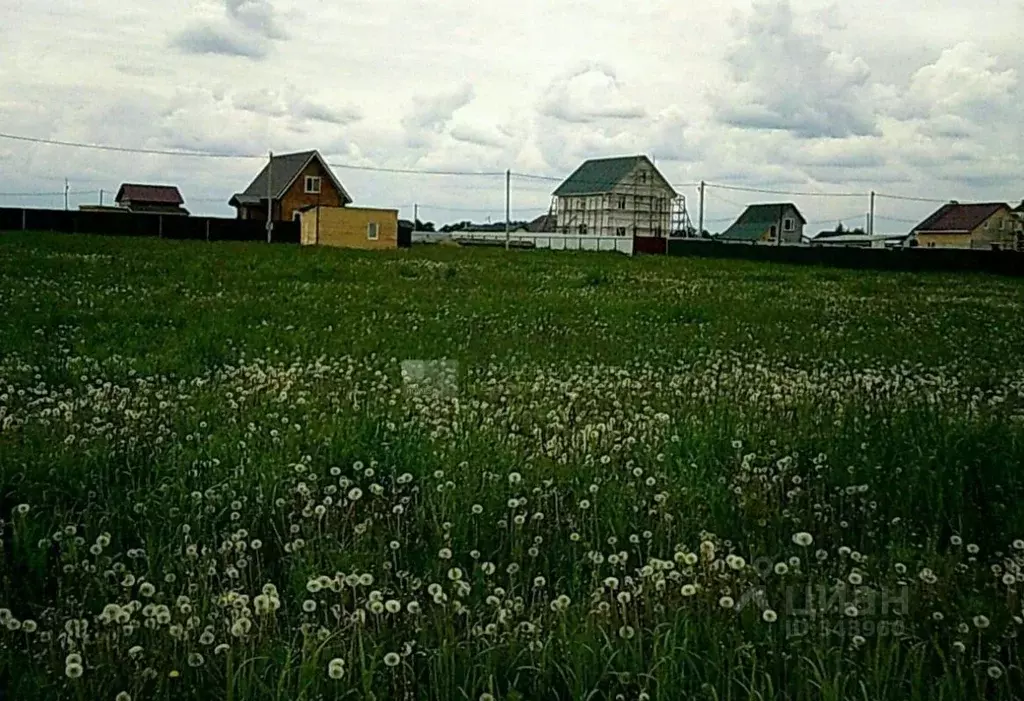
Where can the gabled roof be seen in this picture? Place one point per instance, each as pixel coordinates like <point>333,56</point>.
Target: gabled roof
<point>601,175</point>
<point>545,223</point>
<point>284,169</point>
<point>757,219</point>
<point>149,194</point>
<point>956,218</point>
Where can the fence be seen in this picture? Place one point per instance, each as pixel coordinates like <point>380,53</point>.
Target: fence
<point>522,239</point>
<point>152,225</point>
<point>895,259</point>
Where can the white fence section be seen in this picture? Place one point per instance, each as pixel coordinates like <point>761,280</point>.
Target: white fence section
<point>555,242</point>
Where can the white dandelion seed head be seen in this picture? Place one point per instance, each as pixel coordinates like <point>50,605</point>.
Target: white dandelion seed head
<point>392,659</point>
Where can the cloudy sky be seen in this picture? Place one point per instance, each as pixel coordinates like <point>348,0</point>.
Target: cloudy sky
<point>906,97</point>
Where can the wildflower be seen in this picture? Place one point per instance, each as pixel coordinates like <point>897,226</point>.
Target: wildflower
<point>736,562</point>
<point>803,539</point>
<point>174,674</point>
<point>392,659</point>
<point>858,640</point>
<point>855,578</point>
<point>626,632</point>
<point>195,659</point>
<point>769,616</point>
<point>336,668</point>
<point>134,651</point>
<point>73,670</point>
<point>313,586</point>
<point>995,672</point>
<point>413,607</point>
<point>73,658</point>
<point>956,540</point>
<point>972,548</point>
<point>727,602</point>
<point>477,509</point>
<point>445,553</point>
<point>21,509</point>
<point>850,611</point>
<point>392,606</point>
<point>781,568</point>
<point>355,494</point>
<point>29,626</point>
<point>147,589</point>
<point>366,579</point>
<point>486,697</point>
<point>688,590</point>
<point>241,627</point>
<point>584,504</point>
<point>123,696</point>
<point>455,574</point>
<point>221,649</point>
<point>309,606</point>
<point>959,647</point>
<point>539,582</point>
<point>1009,579</point>
<point>981,622</point>
<point>1018,544</point>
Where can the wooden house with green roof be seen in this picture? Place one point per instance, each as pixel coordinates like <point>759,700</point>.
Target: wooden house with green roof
<point>622,196</point>
<point>767,223</point>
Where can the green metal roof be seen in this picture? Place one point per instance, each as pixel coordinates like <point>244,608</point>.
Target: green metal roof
<point>600,175</point>
<point>757,220</point>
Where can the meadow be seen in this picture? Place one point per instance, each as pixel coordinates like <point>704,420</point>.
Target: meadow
<point>648,478</point>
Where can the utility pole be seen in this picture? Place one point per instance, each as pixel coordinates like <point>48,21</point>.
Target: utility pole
<point>415,217</point>
<point>508,213</point>
<point>65,194</point>
<point>871,216</point>
<point>700,226</point>
<point>270,201</point>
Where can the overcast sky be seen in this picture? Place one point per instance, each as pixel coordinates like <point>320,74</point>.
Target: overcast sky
<point>910,97</point>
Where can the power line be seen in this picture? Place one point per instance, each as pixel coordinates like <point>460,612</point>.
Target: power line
<point>125,149</point>
<point>786,192</point>
<point>414,171</point>
<point>911,199</point>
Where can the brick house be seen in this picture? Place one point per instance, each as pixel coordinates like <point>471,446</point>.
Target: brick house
<point>989,225</point>
<point>297,181</point>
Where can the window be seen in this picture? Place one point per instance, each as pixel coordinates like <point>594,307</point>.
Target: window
<point>296,215</point>
<point>622,201</point>
<point>787,224</point>
<point>582,203</point>
<point>657,231</point>
<point>774,231</point>
<point>643,176</point>
<point>582,228</point>
<point>312,185</point>
<point>620,231</point>
<point>371,231</point>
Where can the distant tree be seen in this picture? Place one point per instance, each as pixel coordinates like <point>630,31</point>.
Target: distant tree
<point>840,229</point>
<point>424,226</point>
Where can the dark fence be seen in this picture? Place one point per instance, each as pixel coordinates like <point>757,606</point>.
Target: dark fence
<point>897,259</point>
<point>166,226</point>
<point>654,245</point>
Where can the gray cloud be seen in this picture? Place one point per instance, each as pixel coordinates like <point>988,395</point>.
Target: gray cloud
<point>247,30</point>
<point>477,135</point>
<point>431,114</point>
<point>788,79</point>
<point>209,39</point>
<point>332,115</point>
<point>257,16</point>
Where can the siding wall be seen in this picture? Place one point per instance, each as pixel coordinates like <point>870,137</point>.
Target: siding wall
<point>347,227</point>
<point>1000,230</point>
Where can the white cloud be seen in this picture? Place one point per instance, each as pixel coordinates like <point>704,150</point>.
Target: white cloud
<point>587,95</point>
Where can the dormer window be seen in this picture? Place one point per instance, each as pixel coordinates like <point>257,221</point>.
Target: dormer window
<point>312,185</point>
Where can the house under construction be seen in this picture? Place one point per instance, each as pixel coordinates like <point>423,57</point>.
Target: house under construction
<point>623,196</point>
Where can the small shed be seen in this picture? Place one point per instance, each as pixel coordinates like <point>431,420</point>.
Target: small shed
<point>349,227</point>
<point>150,199</point>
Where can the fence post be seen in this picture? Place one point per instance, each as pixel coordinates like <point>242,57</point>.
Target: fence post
<point>24,220</point>
<point>160,225</point>
<point>207,231</point>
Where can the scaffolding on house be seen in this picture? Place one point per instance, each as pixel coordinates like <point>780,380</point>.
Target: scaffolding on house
<point>663,216</point>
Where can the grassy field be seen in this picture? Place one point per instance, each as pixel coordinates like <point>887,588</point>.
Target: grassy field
<point>646,478</point>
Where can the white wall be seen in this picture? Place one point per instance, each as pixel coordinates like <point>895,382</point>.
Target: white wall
<point>556,242</point>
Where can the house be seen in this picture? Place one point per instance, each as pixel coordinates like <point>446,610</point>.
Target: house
<point>348,227</point>
<point>989,225</point>
<point>767,223</point>
<point>150,199</point>
<point>296,180</point>
<point>622,196</point>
